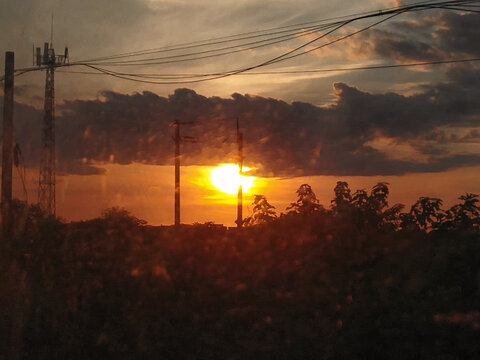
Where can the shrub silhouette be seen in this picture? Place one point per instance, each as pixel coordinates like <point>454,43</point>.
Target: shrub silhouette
<point>353,281</point>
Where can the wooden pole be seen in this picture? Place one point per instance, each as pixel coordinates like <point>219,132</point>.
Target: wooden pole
<point>7,151</point>
<point>10,283</point>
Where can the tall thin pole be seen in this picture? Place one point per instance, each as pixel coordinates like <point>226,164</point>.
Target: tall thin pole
<point>176,138</point>
<point>10,281</point>
<point>7,153</point>
<point>51,32</point>
<point>240,171</point>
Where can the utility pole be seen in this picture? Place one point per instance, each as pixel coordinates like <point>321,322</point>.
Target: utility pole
<point>176,138</point>
<point>7,150</point>
<point>46,185</point>
<point>240,172</point>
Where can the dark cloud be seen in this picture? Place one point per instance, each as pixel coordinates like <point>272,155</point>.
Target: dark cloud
<point>78,167</point>
<point>402,47</point>
<point>448,35</point>
<point>282,139</point>
<point>27,134</point>
<point>459,33</point>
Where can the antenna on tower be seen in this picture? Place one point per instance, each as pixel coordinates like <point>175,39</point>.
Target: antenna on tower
<point>51,32</point>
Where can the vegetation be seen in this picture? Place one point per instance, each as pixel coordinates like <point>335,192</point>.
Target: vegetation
<point>360,280</point>
<point>263,212</point>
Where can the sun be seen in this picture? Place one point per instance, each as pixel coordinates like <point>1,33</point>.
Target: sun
<point>227,179</point>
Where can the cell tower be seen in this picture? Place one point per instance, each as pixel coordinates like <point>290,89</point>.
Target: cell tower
<point>46,186</point>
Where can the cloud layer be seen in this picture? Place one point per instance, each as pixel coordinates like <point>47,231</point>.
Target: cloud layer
<point>430,126</point>
<point>361,133</point>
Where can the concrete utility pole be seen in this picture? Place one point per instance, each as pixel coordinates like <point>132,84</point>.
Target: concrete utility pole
<point>7,150</point>
<point>176,138</point>
<point>240,171</point>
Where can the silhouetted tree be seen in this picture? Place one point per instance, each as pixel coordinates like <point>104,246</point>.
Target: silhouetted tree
<point>343,197</point>
<point>360,199</point>
<point>307,202</point>
<point>263,212</point>
<point>378,199</point>
<point>425,213</point>
<point>362,208</point>
<point>344,286</point>
<point>465,215</point>
<point>121,216</point>
<point>391,216</point>
<point>374,203</point>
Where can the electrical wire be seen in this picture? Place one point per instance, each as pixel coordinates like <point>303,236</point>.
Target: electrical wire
<point>286,56</point>
<point>254,44</point>
<point>372,67</point>
<point>215,52</point>
<point>419,6</point>
<point>295,31</point>
<point>279,72</point>
<point>247,35</point>
<point>460,9</point>
<point>283,57</point>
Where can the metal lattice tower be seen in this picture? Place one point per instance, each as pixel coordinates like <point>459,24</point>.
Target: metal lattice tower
<point>46,186</point>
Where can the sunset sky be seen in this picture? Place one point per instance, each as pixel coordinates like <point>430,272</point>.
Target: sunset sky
<point>414,127</point>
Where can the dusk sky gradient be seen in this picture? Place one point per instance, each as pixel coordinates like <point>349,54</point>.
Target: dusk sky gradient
<point>415,127</point>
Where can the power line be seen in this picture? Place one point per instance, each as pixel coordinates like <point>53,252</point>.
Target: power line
<point>280,72</point>
<point>286,56</point>
<point>216,52</point>
<point>460,9</point>
<point>240,36</point>
<point>419,6</point>
<point>199,55</point>
<point>279,58</point>
<point>295,31</point>
<point>372,67</point>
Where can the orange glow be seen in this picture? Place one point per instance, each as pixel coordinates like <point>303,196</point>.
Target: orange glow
<point>147,191</point>
<point>227,179</point>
